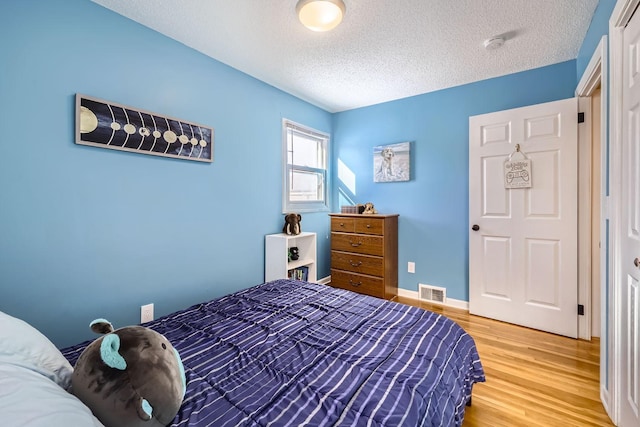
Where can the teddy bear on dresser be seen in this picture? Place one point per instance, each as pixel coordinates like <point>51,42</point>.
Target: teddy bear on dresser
<point>369,209</point>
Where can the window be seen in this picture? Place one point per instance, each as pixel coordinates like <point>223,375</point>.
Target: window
<point>305,168</point>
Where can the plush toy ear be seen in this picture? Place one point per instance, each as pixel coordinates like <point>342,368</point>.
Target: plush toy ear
<point>101,326</point>
<point>109,352</point>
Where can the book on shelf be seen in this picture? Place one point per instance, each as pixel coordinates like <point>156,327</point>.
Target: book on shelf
<point>299,273</point>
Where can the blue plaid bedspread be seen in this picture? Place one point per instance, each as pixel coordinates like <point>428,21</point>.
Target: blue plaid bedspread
<point>294,353</point>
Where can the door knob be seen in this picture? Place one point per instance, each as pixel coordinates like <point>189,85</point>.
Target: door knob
<point>475,227</point>
<point>636,262</point>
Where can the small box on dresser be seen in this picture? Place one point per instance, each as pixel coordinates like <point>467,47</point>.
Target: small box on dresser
<point>364,253</point>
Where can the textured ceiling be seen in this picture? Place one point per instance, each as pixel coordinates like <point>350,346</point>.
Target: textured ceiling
<point>383,50</point>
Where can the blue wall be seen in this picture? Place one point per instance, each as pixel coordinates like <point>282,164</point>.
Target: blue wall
<point>433,205</point>
<point>599,26</point>
<point>87,232</point>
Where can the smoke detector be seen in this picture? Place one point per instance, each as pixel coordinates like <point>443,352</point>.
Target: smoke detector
<point>493,43</point>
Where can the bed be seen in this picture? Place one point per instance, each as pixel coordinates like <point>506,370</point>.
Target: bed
<point>295,353</point>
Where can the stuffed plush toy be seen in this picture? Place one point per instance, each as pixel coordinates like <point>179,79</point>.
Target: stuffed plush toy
<point>369,209</point>
<point>292,224</point>
<point>294,253</point>
<point>131,377</point>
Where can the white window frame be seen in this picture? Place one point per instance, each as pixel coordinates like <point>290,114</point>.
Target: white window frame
<point>312,206</point>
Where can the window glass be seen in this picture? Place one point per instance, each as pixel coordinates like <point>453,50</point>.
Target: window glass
<point>305,183</point>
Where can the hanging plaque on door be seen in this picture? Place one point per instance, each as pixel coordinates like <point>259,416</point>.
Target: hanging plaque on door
<point>517,172</point>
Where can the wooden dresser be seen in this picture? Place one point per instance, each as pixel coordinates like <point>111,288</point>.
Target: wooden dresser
<point>364,254</point>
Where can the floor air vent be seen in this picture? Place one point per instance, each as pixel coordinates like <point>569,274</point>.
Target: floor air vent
<point>433,294</point>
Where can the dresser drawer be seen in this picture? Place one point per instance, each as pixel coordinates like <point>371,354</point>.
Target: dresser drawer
<point>368,225</point>
<point>358,243</point>
<point>368,285</point>
<point>364,264</point>
<point>346,225</point>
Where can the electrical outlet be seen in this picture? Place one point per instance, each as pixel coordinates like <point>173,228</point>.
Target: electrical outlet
<point>146,313</point>
<point>411,267</point>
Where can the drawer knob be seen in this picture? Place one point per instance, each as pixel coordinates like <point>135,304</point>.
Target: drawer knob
<point>342,224</point>
<point>368,225</point>
<point>356,284</point>
<point>355,245</point>
<point>355,264</point>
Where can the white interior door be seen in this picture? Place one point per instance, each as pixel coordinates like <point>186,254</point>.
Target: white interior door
<point>523,255</point>
<point>629,259</point>
<point>596,217</point>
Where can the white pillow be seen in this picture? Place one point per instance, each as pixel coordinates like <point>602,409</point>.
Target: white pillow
<point>27,399</point>
<point>23,345</point>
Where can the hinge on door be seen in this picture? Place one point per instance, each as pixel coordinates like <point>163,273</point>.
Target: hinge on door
<point>580,117</point>
<point>580,310</point>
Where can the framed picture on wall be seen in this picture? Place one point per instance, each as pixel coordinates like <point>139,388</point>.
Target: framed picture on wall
<point>114,126</point>
<point>392,163</point>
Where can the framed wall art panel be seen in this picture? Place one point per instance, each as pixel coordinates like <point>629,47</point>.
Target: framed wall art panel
<point>110,125</point>
<point>392,163</point>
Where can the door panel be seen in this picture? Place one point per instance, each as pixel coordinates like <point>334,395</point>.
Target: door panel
<point>523,257</point>
<point>495,203</point>
<point>496,133</point>
<point>542,264</point>
<point>542,127</point>
<point>497,252</point>
<point>630,230</point>
<point>542,200</point>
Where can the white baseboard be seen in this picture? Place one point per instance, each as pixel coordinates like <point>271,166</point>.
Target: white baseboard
<point>324,280</point>
<point>454,303</point>
<point>450,302</point>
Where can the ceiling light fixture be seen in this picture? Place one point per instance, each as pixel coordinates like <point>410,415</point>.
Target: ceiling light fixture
<point>320,15</point>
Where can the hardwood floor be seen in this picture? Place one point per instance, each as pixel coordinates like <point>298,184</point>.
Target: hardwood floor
<point>533,378</point>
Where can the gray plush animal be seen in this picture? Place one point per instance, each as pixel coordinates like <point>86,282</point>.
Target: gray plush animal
<point>131,377</point>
